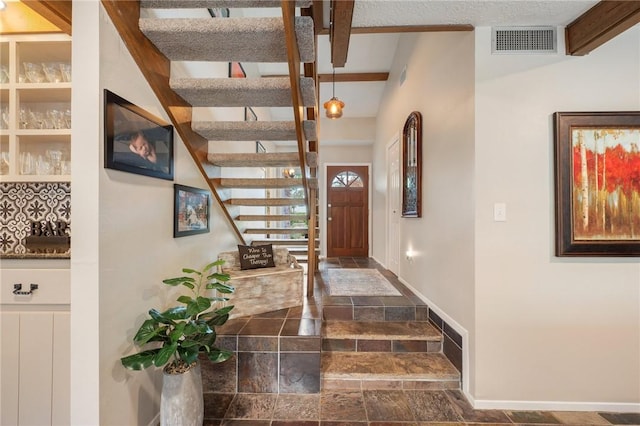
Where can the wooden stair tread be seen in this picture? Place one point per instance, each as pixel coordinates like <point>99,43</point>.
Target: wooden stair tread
<point>241,92</point>
<point>241,39</point>
<point>284,242</point>
<point>257,183</point>
<point>265,201</point>
<point>269,159</point>
<point>388,366</point>
<point>263,231</point>
<point>253,130</point>
<point>270,218</point>
<point>381,330</point>
<point>204,4</point>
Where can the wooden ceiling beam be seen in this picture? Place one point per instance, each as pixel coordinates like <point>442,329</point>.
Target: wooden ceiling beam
<point>354,77</point>
<point>600,24</point>
<point>406,29</point>
<point>56,12</point>
<point>341,17</point>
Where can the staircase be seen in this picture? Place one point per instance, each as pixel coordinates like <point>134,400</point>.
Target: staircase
<point>385,355</point>
<point>268,197</point>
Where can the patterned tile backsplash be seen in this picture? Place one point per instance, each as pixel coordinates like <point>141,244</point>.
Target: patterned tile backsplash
<point>22,203</point>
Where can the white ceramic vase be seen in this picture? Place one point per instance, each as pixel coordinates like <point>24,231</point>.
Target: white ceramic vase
<point>181,401</point>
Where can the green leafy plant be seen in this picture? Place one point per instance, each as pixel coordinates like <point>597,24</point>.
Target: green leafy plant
<point>182,332</point>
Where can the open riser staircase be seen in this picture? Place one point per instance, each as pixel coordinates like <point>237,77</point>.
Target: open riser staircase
<point>268,197</point>
<point>271,197</point>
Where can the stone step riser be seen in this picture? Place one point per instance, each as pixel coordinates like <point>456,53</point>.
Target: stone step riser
<point>381,384</point>
<point>378,345</point>
<point>358,370</point>
<point>373,313</point>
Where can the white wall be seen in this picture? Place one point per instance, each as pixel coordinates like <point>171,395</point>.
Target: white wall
<point>85,151</point>
<point>548,329</point>
<point>544,332</point>
<point>439,84</point>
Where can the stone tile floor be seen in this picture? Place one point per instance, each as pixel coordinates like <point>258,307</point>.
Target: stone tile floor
<point>381,407</point>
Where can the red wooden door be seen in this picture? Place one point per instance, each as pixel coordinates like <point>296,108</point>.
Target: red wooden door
<point>347,211</point>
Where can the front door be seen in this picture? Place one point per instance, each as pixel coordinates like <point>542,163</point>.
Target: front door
<point>347,211</point>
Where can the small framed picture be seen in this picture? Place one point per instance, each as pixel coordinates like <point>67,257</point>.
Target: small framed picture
<point>135,140</point>
<point>260,149</point>
<point>191,211</point>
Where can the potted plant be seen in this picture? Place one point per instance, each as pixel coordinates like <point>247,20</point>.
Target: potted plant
<point>179,335</point>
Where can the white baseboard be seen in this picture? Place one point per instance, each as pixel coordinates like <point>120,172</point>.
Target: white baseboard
<point>155,421</point>
<point>457,327</point>
<point>381,264</point>
<point>617,407</point>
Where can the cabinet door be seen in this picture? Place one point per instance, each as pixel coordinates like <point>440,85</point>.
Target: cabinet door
<point>9,363</point>
<point>36,368</point>
<point>61,386</point>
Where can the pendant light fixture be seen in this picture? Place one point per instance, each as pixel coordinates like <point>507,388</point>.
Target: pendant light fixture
<point>334,105</point>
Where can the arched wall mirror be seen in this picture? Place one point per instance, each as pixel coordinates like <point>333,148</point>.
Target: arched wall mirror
<point>412,166</point>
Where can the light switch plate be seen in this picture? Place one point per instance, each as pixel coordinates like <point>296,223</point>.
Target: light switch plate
<point>500,212</point>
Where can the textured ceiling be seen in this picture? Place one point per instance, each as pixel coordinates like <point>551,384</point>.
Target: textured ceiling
<point>375,52</point>
<point>474,12</point>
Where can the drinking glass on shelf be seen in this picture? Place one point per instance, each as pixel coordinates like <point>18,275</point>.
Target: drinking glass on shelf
<point>43,167</point>
<point>55,157</point>
<point>27,163</point>
<point>33,72</point>
<point>67,119</point>
<point>4,163</point>
<point>4,124</point>
<point>66,168</point>
<point>36,120</point>
<point>23,118</point>
<point>52,72</point>
<point>4,74</point>
<point>56,118</point>
<point>65,70</point>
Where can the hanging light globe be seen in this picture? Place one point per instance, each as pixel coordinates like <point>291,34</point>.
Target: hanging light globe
<point>334,108</point>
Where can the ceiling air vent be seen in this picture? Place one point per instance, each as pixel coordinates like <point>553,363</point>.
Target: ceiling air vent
<point>523,40</point>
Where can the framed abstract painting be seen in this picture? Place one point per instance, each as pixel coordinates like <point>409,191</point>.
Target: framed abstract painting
<point>597,183</point>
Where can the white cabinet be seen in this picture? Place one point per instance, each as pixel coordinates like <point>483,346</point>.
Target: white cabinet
<point>35,111</point>
<point>35,341</point>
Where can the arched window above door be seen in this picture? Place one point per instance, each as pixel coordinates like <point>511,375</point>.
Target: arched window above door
<point>347,179</point>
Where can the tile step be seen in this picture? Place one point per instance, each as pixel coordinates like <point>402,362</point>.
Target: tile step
<point>381,330</point>
<point>374,370</point>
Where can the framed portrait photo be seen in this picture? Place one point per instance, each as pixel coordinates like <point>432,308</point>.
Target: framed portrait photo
<point>135,140</point>
<point>191,211</point>
<point>597,183</point>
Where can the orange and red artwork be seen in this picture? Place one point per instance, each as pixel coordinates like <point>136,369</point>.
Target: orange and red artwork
<point>606,183</point>
<point>597,173</point>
